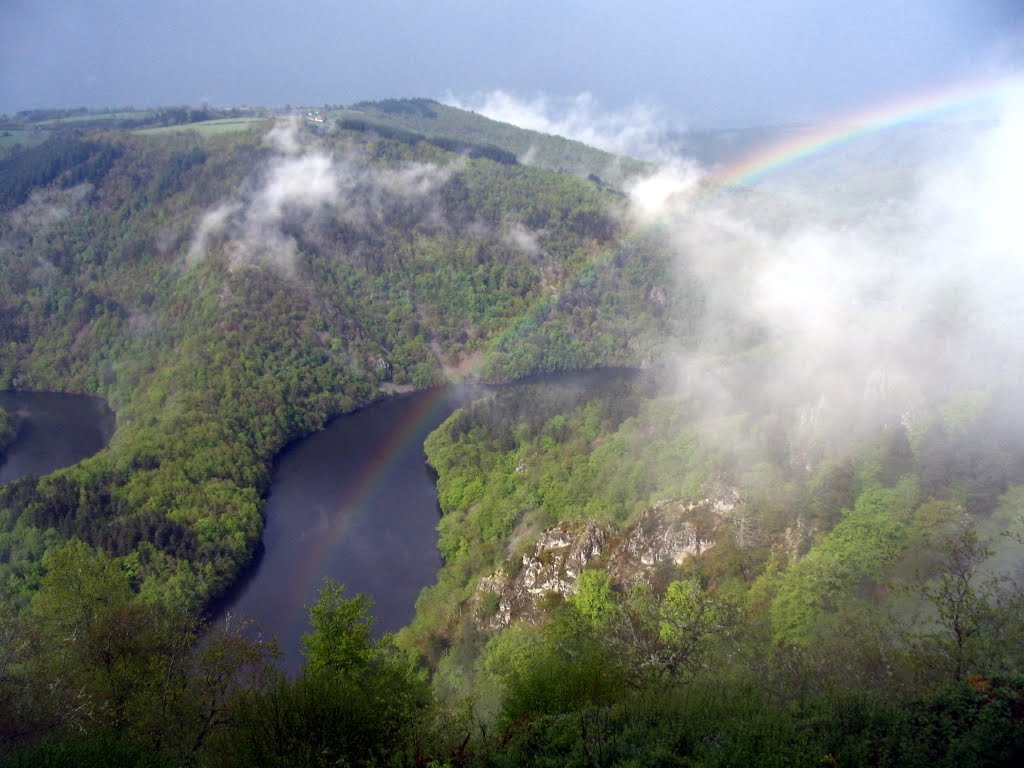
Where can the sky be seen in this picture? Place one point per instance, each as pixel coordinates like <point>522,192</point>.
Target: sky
<point>727,63</point>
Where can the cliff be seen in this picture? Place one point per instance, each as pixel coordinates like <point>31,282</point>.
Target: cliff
<point>664,536</point>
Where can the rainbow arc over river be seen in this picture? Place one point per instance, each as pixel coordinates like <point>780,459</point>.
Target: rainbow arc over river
<point>945,102</point>
<point>379,471</point>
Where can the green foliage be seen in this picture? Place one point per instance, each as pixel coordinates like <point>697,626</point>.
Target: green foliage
<point>803,646</point>
<point>688,618</point>
<point>357,701</point>
<point>651,635</point>
<point>789,641</point>
<point>973,625</point>
<point>342,631</point>
<point>736,714</point>
<point>570,669</point>
<point>213,367</point>
<point>593,598</point>
<point>524,460</point>
<point>107,749</point>
<point>16,137</point>
<point>88,659</point>
<point>71,161</point>
<point>856,554</point>
<point>629,300</point>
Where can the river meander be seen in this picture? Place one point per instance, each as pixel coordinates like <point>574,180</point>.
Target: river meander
<point>356,503</point>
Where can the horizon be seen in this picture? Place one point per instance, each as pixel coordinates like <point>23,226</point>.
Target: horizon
<point>742,64</point>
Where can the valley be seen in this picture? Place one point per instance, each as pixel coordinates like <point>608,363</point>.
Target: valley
<point>715,473</point>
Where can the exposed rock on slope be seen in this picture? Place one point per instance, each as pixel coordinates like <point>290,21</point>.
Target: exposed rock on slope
<point>665,535</point>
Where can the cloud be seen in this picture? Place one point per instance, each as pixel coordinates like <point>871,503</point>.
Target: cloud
<point>854,319</point>
<point>210,225</point>
<point>638,131</point>
<point>522,238</point>
<point>307,181</point>
<point>284,135</point>
<point>301,182</point>
<point>670,188</point>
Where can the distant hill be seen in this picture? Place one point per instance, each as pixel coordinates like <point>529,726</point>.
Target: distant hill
<point>435,120</point>
<point>32,127</point>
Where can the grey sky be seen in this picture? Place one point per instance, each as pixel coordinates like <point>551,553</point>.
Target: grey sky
<point>702,62</point>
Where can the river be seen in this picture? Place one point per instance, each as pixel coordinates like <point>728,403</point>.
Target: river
<point>54,431</point>
<point>356,503</point>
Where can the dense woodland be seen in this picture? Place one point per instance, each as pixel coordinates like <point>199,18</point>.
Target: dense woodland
<point>213,366</point>
<point>228,287</point>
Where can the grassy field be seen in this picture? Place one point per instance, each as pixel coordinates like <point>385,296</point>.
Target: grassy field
<point>93,117</point>
<point>206,128</point>
<point>11,137</point>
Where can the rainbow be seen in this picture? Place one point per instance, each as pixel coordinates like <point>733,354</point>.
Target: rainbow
<point>749,170</point>
<point>312,570</point>
<point>813,141</point>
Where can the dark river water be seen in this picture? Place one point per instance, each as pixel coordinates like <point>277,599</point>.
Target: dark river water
<point>356,503</point>
<point>54,431</point>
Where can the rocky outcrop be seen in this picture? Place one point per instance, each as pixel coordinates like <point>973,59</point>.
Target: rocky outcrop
<point>379,363</point>
<point>559,556</point>
<point>666,534</point>
<point>794,542</point>
<point>658,538</point>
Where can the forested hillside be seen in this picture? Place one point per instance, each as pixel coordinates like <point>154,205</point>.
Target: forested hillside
<point>228,292</point>
<point>440,122</point>
<point>788,534</point>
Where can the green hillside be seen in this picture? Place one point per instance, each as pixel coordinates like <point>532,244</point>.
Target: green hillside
<point>703,561</point>
<point>214,361</point>
<point>436,120</point>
